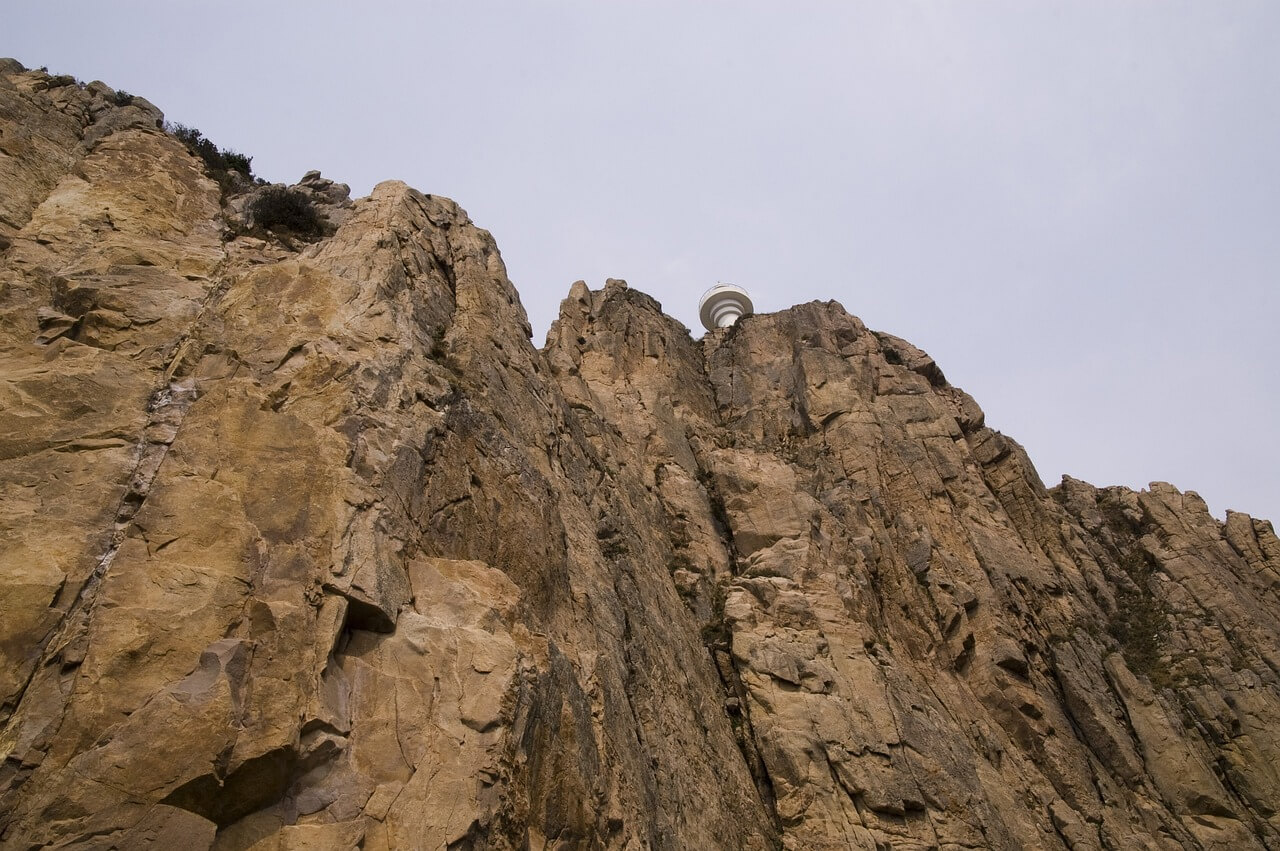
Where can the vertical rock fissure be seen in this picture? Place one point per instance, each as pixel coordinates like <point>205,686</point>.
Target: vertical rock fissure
<point>877,575</point>
<point>167,407</point>
<point>718,638</point>
<point>744,732</point>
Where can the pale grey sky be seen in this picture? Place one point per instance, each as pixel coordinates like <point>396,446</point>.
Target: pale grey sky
<point>1073,206</point>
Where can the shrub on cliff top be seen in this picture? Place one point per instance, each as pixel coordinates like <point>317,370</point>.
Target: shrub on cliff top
<point>279,208</point>
<point>220,161</point>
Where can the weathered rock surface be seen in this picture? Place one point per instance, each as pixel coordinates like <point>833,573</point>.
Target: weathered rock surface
<point>313,549</point>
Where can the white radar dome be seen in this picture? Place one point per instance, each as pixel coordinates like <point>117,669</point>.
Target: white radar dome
<point>722,305</point>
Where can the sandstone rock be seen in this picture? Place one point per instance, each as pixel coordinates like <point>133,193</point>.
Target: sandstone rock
<point>309,547</point>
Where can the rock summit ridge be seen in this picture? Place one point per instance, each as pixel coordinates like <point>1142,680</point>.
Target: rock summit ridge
<point>303,544</point>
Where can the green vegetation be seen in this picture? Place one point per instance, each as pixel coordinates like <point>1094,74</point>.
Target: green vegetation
<point>224,164</point>
<point>716,631</point>
<point>1141,619</point>
<point>278,208</point>
<point>123,98</point>
<point>439,349</point>
<point>237,162</point>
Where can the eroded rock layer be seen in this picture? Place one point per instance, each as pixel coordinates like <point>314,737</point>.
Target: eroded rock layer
<point>305,545</point>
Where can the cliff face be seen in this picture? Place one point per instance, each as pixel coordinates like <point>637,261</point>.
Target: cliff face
<point>307,546</point>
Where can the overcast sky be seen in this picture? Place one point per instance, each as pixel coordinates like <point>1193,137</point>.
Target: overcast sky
<point>1073,206</point>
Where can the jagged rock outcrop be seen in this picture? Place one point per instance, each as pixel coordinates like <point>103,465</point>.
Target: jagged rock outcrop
<point>307,546</point>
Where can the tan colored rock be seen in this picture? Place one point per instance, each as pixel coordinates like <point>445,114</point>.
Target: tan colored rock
<point>930,584</point>
<point>307,546</point>
<point>86,409</point>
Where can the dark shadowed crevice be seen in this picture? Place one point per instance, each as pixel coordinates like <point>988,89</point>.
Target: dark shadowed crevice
<point>257,783</point>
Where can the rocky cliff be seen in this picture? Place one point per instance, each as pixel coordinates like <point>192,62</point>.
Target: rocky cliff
<point>305,545</point>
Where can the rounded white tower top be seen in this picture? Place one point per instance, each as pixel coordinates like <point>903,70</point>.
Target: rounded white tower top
<point>722,305</point>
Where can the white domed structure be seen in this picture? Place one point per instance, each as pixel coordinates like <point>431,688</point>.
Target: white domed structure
<point>723,305</point>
